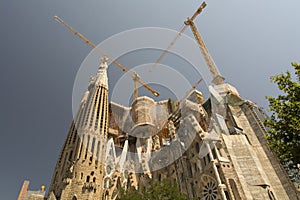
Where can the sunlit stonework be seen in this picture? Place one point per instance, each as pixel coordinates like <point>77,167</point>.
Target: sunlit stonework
<point>213,149</point>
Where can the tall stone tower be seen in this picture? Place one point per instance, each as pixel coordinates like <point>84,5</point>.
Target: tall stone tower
<point>79,171</point>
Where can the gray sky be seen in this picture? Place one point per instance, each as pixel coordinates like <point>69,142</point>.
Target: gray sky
<point>249,41</point>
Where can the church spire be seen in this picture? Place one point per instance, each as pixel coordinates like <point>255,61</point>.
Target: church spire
<point>78,172</point>
<point>94,113</point>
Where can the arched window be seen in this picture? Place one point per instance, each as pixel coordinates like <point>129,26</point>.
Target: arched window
<point>74,198</point>
<point>106,195</point>
<point>197,147</point>
<point>70,155</point>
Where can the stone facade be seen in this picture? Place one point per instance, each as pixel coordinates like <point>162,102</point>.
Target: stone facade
<point>213,150</point>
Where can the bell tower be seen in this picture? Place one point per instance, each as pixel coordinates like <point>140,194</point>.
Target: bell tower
<point>79,171</point>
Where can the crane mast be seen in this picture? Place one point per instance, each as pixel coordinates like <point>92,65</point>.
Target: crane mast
<point>135,87</point>
<point>217,78</point>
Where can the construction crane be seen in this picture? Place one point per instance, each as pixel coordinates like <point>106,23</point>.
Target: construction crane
<point>133,75</point>
<point>168,48</point>
<point>217,78</point>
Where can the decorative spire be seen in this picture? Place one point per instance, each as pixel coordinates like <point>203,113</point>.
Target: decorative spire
<point>101,78</point>
<point>85,146</point>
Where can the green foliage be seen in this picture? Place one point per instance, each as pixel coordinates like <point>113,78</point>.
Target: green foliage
<point>284,123</point>
<point>129,195</point>
<point>164,190</point>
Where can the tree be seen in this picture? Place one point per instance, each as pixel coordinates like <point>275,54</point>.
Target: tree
<point>284,124</point>
<point>130,194</point>
<point>164,190</point>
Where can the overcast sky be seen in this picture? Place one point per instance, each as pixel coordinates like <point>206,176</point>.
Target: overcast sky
<point>248,40</point>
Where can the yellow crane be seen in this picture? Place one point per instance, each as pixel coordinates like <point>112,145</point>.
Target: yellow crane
<point>217,78</point>
<point>133,75</point>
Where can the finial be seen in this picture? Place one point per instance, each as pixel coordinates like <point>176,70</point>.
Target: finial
<point>103,63</point>
<point>101,77</point>
<point>104,59</point>
<point>43,188</point>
